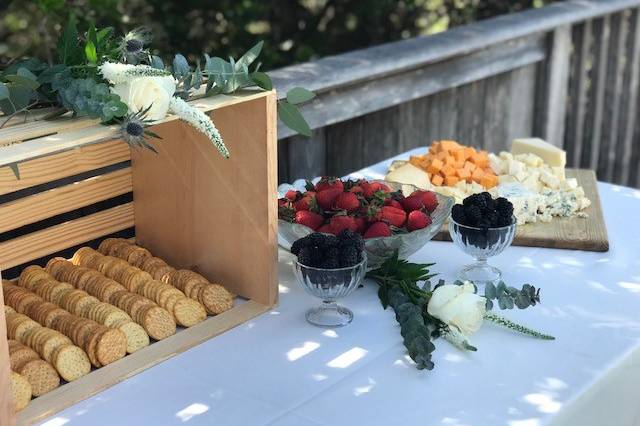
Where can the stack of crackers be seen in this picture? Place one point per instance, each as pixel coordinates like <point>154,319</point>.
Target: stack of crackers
<point>214,297</point>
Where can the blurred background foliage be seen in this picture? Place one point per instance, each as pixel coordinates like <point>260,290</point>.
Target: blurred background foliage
<point>294,30</point>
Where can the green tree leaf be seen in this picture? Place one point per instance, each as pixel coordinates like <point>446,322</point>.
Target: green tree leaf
<point>292,118</point>
<point>4,91</point>
<point>68,42</point>
<point>90,49</point>
<point>262,80</point>
<point>299,95</point>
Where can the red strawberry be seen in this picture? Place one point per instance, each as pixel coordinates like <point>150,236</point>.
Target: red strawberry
<point>370,188</point>
<point>418,220</point>
<point>291,195</point>
<point>392,203</point>
<point>310,219</point>
<point>327,197</point>
<point>393,216</point>
<point>429,199</point>
<point>346,201</point>
<point>413,202</point>
<point>305,202</point>
<point>325,229</point>
<point>378,229</point>
<point>283,202</point>
<point>361,222</point>
<point>340,223</point>
<point>329,183</point>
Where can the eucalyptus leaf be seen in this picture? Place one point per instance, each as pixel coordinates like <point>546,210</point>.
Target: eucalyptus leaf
<point>251,55</point>
<point>299,95</point>
<point>23,81</point>
<point>490,291</point>
<point>14,168</point>
<point>24,72</point>
<point>4,91</point>
<point>180,66</point>
<point>292,118</point>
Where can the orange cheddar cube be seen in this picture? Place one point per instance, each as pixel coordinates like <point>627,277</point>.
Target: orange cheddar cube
<point>480,159</point>
<point>489,180</point>
<point>447,170</point>
<point>477,175</point>
<point>435,166</point>
<point>451,180</point>
<point>469,166</point>
<point>449,145</point>
<point>437,180</point>
<point>463,174</point>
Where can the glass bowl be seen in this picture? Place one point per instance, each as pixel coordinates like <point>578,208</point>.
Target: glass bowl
<point>381,248</point>
<point>481,244</point>
<point>330,285</point>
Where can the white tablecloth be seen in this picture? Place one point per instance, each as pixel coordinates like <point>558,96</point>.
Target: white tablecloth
<point>279,370</point>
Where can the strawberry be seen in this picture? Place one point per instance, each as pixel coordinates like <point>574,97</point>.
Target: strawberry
<point>393,216</point>
<point>418,220</point>
<point>378,229</point>
<point>356,189</point>
<point>361,223</point>
<point>291,195</point>
<point>283,202</point>
<point>393,203</point>
<point>346,201</point>
<point>413,202</point>
<point>340,223</point>
<point>329,183</point>
<point>327,197</point>
<point>309,219</point>
<point>429,199</point>
<point>325,229</point>
<point>306,202</point>
<point>370,188</point>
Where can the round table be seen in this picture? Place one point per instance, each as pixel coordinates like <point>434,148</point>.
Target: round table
<point>279,370</point>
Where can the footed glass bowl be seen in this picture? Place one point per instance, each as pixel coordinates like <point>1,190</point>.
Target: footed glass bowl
<point>330,285</point>
<point>481,243</point>
<point>381,248</point>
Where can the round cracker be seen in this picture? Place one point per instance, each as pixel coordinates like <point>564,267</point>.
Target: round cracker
<point>137,338</point>
<point>111,346</point>
<point>20,391</point>
<point>41,376</point>
<point>71,362</point>
<point>158,322</point>
<point>188,312</point>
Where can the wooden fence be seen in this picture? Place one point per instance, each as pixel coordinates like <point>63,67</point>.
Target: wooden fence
<point>568,72</point>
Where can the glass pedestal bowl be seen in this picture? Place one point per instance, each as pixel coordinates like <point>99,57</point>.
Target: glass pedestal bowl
<point>481,244</point>
<point>330,285</point>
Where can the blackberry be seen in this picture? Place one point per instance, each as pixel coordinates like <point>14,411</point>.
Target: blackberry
<point>457,213</point>
<point>473,213</point>
<point>350,256</point>
<point>350,238</point>
<point>307,256</point>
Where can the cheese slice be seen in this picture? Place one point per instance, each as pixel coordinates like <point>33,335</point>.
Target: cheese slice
<point>551,155</point>
<point>408,173</point>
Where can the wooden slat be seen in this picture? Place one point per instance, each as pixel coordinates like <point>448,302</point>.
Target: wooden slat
<point>96,133</point>
<point>578,91</point>
<point>47,241</point>
<point>127,367</point>
<point>628,117</point>
<point>34,129</point>
<point>307,156</point>
<point>593,132</point>
<point>63,164</point>
<point>496,113</point>
<point>471,105</point>
<point>523,86</point>
<point>64,199</point>
<point>614,95</point>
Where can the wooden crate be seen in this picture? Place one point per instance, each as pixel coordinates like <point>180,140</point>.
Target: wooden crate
<point>187,204</point>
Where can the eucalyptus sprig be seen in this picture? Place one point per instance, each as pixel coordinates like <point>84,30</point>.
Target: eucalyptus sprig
<point>508,297</point>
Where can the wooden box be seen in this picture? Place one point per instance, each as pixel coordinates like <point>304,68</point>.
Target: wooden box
<point>187,204</point>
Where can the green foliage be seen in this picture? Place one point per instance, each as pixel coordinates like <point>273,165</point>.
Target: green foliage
<point>508,297</point>
<point>85,96</point>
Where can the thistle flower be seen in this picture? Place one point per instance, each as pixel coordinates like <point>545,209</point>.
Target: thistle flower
<point>134,132</point>
<point>132,45</point>
<point>200,121</point>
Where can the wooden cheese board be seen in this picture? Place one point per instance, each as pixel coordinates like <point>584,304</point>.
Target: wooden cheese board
<point>576,233</point>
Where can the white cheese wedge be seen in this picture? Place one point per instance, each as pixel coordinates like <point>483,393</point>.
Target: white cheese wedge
<point>551,155</point>
<point>408,173</point>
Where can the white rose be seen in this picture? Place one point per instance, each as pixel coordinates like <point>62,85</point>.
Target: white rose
<point>458,306</point>
<point>141,92</point>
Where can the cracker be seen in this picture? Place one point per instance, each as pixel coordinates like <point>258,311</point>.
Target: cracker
<point>137,337</point>
<point>20,391</point>
<point>41,376</point>
<point>215,298</point>
<point>21,356</point>
<point>71,362</point>
<point>111,346</point>
<point>158,322</point>
<point>188,312</point>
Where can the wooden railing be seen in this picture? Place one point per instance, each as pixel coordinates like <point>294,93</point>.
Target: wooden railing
<point>568,72</point>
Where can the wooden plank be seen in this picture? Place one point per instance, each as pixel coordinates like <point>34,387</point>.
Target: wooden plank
<point>6,400</point>
<point>497,115</point>
<point>92,134</point>
<point>523,86</point>
<point>216,214</point>
<point>46,204</point>
<point>578,92</point>
<point>614,94</point>
<point>575,233</point>
<point>597,76</point>
<point>471,105</point>
<point>555,78</point>
<point>50,240</point>
<point>40,128</point>
<point>127,367</point>
<point>307,156</point>
<point>391,90</point>
<point>628,117</point>
<point>63,164</point>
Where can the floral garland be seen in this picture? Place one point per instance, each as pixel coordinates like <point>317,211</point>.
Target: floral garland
<point>119,80</point>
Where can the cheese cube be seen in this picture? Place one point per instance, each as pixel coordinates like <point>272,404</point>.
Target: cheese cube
<point>551,155</point>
